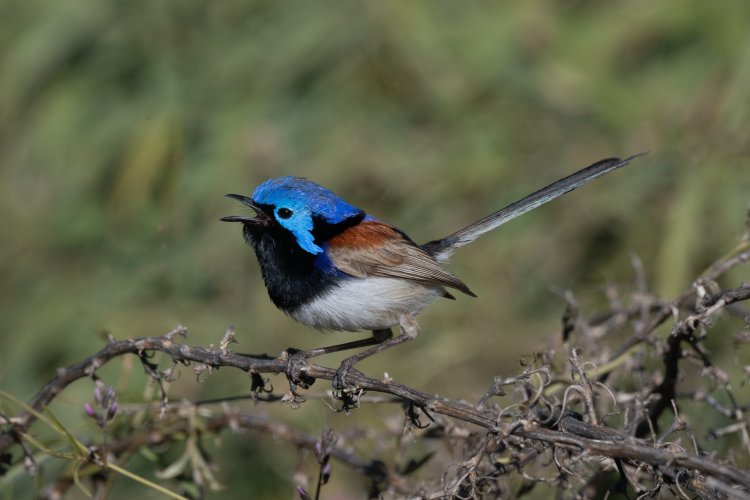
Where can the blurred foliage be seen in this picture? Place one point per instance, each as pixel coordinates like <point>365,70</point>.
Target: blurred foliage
<point>122,124</point>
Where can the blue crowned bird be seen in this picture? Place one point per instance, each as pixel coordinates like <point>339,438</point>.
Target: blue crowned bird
<point>330,265</point>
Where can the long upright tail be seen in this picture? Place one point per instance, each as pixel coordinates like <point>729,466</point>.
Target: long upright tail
<point>443,248</point>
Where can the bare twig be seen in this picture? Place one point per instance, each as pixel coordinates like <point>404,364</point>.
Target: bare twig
<point>536,427</point>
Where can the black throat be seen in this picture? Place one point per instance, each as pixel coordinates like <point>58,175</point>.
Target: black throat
<point>294,277</point>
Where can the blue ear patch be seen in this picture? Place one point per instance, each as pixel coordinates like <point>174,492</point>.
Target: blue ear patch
<point>305,199</point>
<point>300,223</point>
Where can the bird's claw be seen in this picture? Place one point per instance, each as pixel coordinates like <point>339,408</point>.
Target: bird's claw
<point>339,379</point>
<point>296,362</point>
<point>344,391</point>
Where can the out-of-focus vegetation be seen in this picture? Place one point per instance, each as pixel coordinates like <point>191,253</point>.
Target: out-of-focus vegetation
<point>122,125</point>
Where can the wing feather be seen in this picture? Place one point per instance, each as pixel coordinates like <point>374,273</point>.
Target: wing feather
<point>373,248</point>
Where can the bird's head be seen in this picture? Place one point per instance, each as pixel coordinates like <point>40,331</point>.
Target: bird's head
<point>297,206</point>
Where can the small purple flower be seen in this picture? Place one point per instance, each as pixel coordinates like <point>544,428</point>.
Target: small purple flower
<point>104,407</point>
<point>302,493</point>
<point>89,410</point>
<point>112,410</point>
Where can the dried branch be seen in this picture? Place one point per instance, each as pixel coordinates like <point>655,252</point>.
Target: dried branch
<point>488,419</point>
<point>541,427</point>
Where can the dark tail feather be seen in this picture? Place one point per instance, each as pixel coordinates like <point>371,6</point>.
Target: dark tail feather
<point>443,248</point>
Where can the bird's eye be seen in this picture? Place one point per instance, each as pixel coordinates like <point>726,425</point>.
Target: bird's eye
<point>284,213</point>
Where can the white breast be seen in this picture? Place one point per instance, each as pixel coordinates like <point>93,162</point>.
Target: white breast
<point>366,304</point>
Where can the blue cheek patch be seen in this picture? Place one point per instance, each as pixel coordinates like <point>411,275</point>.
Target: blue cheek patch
<point>301,225</point>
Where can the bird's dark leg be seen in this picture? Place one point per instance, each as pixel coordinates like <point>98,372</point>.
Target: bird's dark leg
<point>378,337</point>
<point>297,359</point>
<point>409,330</point>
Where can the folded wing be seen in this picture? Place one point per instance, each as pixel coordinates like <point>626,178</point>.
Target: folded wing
<point>373,248</point>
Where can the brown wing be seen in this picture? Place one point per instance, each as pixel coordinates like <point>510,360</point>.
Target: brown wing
<point>376,249</point>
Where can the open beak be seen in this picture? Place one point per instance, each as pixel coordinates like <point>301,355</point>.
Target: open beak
<point>260,217</point>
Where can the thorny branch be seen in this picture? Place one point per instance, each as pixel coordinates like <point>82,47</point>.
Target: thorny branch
<point>540,426</point>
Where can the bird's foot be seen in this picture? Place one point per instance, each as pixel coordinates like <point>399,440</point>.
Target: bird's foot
<point>339,379</point>
<point>343,390</point>
<point>348,394</point>
<point>295,369</point>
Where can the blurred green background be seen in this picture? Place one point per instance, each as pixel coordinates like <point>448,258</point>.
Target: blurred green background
<point>122,125</point>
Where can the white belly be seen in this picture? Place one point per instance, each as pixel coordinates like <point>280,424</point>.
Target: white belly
<point>366,304</point>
